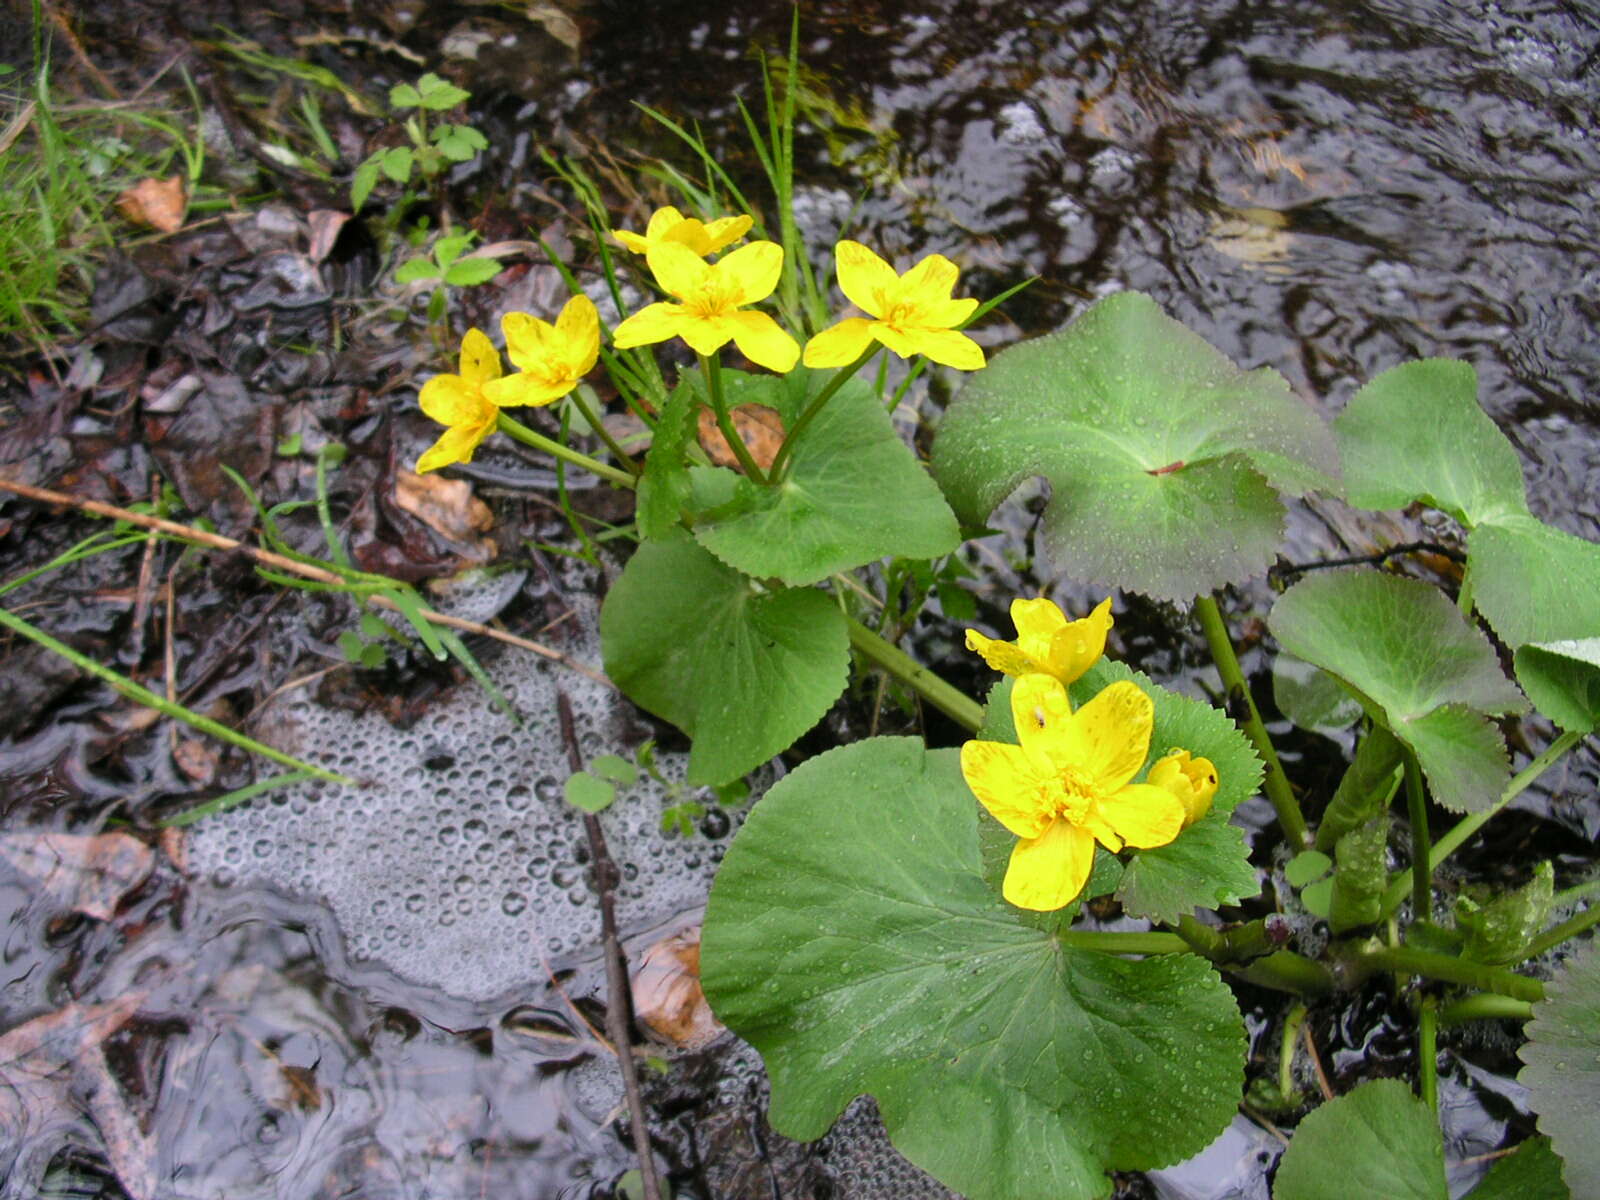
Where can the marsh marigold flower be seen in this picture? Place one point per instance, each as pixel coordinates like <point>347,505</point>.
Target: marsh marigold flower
<point>702,237</point>
<point>913,313</point>
<point>1047,643</point>
<point>1069,785</point>
<point>710,310</point>
<point>1192,780</point>
<point>551,359</point>
<point>458,401</point>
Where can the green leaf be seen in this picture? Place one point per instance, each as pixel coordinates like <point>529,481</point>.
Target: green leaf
<point>1416,432</point>
<point>414,269</point>
<point>471,271</point>
<point>1534,583</point>
<point>289,447</point>
<point>438,95</point>
<point>458,143</point>
<point>1164,459</point>
<point>856,492</point>
<point>588,794</point>
<point>1365,789</point>
<point>1563,681</point>
<point>396,163</point>
<point>741,670</point>
<point>403,95</point>
<point>1562,1073</point>
<point>351,645</point>
<point>850,936</point>
<point>1496,932</point>
<point>615,768</point>
<point>1307,867</point>
<point>1418,668</point>
<point>362,183</point>
<point>1376,1140</point>
<point>1312,698</point>
<point>447,249</point>
<point>1530,1172</point>
<point>664,489</point>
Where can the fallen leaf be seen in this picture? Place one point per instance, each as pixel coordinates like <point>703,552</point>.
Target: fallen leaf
<point>557,23</point>
<point>158,203</point>
<point>325,224</point>
<point>195,759</point>
<point>89,874</point>
<point>446,506</point>
<point>667,995</point>
<point>174,844</point>
<point>760,427</point>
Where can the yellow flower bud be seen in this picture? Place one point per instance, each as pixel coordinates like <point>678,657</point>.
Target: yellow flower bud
<point>1192,780</point>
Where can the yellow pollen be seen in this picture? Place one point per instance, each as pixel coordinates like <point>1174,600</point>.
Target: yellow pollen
<point>1071,795</point>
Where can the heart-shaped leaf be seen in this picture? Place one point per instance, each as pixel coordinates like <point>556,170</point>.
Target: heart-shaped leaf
<point>1418,668</point>
<point>850,937</point>
<point>1376,1140</point>
<point>1562,1074</point>
<point>1416,432</point>
<point>855,493</point>
<point>742,670</point>
<point>1164,459</point>
<point>1534,583</point>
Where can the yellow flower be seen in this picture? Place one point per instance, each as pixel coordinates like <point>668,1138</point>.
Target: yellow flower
<point>669,225</point>
<point>458,402</point>
<point>1047,643</point>
<point>1192,780</point>
<point>914,311</point>
<point>551,359</point>
<point>1069,785</point>
<point>713,297</point>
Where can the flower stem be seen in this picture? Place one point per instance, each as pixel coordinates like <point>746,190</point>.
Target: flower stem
<point>1410,961</point>
<point>711,369</point>
<point>960,708</point>
<point>1428,1051</point>
<point>1276,783</point>
<point>1557,934</point>
<point>1484,1006</point>
<point>604,434</point>
<point>516,429</point>
<point>1417,811</point>
<point>1291,1031</point>
<point>840,377</point>
<point>1110,941</point>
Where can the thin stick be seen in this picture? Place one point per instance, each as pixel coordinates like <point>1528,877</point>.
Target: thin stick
<point>217,541</point>
<point>606,877</point>
<point>1316,1062</point>
<point>141,604</point>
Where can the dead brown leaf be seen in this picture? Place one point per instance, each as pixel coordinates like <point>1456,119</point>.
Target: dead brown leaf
<point>89,874</point>
<point>195,759</point>
<point>760,427</point>
<point>667,995</point>
<point>158,203</point>
<point>325,224</point>
<point>447,506</point>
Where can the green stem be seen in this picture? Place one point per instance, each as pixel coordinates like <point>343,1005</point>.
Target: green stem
<point>1291,1031</point>
<point>1484,1006</point>
<point>1457,836</point>
<point>711,369</point>
<point>1428,1051</point>
<point>1286,971</point>
<point>840,378</point>
<point>516,429</point>
<point>1276,783</point>
<point>1411,961</point>
<point>1573,894</point>
<point>143,695</point>
<point>960,708</point>
<point>1233,944</point>
<point>1417,810</point>
<point>1464,596</point>
<point>1557,934</point>
<point>603,433</point>
<point>1112,942</point>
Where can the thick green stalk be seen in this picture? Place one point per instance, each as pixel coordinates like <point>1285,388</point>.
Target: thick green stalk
<point>1484,1006</point>
<point>604,434</point>
<point>1109,941</point>
<point>1276,782</point>
<point>840,378</point>
<point>1291,1031</point>
<point>1410,961</point>
<point>516,429</point>
<point>1557,934</point>
<point>1428,1051</point>
<point>711,369</point>
<point>960,708</point>
<point>1417,810</point>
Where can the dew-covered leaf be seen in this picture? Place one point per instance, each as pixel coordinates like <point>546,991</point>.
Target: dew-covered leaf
<point>1164,459</point>
<point>1418,667</point>
<point>855,493</point>
<point>1563,681</point>
<point>1416,432</point>
<point>1376,1140</point>
<point>1562,1074</point>
<point>851,937</point>
<point>742,670</point>
<point>1310,697</point>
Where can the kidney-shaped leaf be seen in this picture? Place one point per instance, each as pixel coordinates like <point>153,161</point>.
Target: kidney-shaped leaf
<point>1563,681</point>
<point>1376,1140</point>
<point>1562,1074</point>
<point>741,670</point>
<point>1419,668</point>
<point>1162,456</point>
<point>851,938</point>
<point>1535,583</point>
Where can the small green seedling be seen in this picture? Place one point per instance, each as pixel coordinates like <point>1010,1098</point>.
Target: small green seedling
<point>430,150</point>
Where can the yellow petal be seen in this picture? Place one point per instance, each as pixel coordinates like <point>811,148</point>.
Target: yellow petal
<point>1076,646</point>
<point>451,400</point>
<point>1048,872</point>
<point>724,231</point>
<point>1001,656</point>
<point>479,359</point>
<point>865,279</point>
<point>946,314</point>
<point>1109,737</point>
<point>902,341</point>
<point>653,323</point>
<point>524,389</point>
<point>633,241</point>
<point>751,272</point>
<point>1143,815</point>
<point>762,340</point>
<point>841,344</point>
<point>1042,714</point>
<point>578,327</point>
<point>678,269</point>
<point>946,346</point>
<point>455,445</point>
<point>1007,783</point>
<point>707,335</point>
<point>662,221</point>
<point>1037,621</point>
<point>1192,780</point>
<point>929,282</point>
<point>529,341</point>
